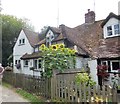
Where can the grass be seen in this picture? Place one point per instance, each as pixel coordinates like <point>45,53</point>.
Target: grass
<point>30,97</point>
<point>7,85</point>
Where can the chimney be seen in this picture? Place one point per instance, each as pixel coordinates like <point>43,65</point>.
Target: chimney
<point>90,17</point>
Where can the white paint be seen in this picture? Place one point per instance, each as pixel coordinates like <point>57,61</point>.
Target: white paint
<point>19,51</point>
<point>111,22</point>
<point>93,65</point>
<point>49,36</point>
<point>79,63</point>
<point>49,33</point>
<point>36,49</point>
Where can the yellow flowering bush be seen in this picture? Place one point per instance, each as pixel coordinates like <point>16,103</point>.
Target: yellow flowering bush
<point>57,57</point>
<point>84,78</point>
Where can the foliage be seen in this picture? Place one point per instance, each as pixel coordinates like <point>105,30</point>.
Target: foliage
<point>102,70</point>
<point>11,27</point>
<point>57,57</point>
<point>84,78</point>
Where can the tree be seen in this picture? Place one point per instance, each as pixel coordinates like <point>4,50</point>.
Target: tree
<point>57,57</point>
<point>11,27</point>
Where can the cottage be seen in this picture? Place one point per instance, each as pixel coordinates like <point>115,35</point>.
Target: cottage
<point>95,42</point>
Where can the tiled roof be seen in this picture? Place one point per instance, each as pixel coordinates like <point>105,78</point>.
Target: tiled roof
<point>88,37</point>
<point>31,56</point>
<point>109,48</point>
<point>33,37</point>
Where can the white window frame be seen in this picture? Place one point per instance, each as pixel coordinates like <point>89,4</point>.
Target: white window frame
<point>113,31</point>
<point>112,67</point>
<point>118,29</point>
<point>37,68</point>
<point>105,62</point>
<point>21,41</point>
<point>25,63</point>
<point>49,38</point>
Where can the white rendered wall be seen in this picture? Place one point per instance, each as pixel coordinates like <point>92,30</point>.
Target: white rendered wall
<point>20,50</point>
<point>93,65</point>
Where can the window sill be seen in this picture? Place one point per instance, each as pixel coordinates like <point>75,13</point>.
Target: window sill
<point>112,36</point>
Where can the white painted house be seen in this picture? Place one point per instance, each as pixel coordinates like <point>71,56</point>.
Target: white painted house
<point>24,45</point>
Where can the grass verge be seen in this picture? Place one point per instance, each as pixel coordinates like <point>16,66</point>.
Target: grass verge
<point>32,98</point>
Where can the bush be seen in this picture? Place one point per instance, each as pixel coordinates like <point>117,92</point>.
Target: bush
<point>84,78</point>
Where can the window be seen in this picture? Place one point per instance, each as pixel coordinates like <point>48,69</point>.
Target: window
<point>18,61</point>
<point>52,37</point>
<point>39,64</point>
<point>25,62</point>
<point>35,64</point>
<point>109,30</point>
<point>21,41</point>
<point>49,38</point>
<point>115,65</point>
<point>104,63</point>
<point>15,61</point>
<point>116,29</point>
<point>113,30</point>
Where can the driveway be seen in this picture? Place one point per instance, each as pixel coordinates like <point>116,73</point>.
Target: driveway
<point>8,95</point>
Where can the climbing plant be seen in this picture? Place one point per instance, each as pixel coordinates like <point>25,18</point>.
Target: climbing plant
<point>56,57</point>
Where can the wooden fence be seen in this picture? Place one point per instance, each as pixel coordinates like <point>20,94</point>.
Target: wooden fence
<point>67,90</point>
<point>36,85</point>
<point>61,87</point>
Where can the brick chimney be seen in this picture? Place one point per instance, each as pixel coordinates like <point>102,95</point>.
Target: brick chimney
<point>90,17</point>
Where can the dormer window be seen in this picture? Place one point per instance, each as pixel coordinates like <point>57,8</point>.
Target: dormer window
<point>113,30</point>
<point>49,38</point>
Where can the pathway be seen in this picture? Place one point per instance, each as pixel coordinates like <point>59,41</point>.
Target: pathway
<point>8,95</point>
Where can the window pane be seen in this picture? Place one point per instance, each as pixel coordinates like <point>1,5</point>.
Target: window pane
<point>109,31</point>
<point>116,29</point>
<point>39,64</point>
<point>20,41</point>
<point>115,65</point>
<point>109,28</point>
<point>35,64</point>
<point>18,61</point>
<point>26,63</point>
<point>15,61</point>
<point>23,41</point>
<point>116,26</point>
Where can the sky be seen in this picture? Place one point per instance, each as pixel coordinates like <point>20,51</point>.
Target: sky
<point>71,13</point>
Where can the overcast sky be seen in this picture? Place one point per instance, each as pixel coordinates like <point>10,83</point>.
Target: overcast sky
<point>45,12</point>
